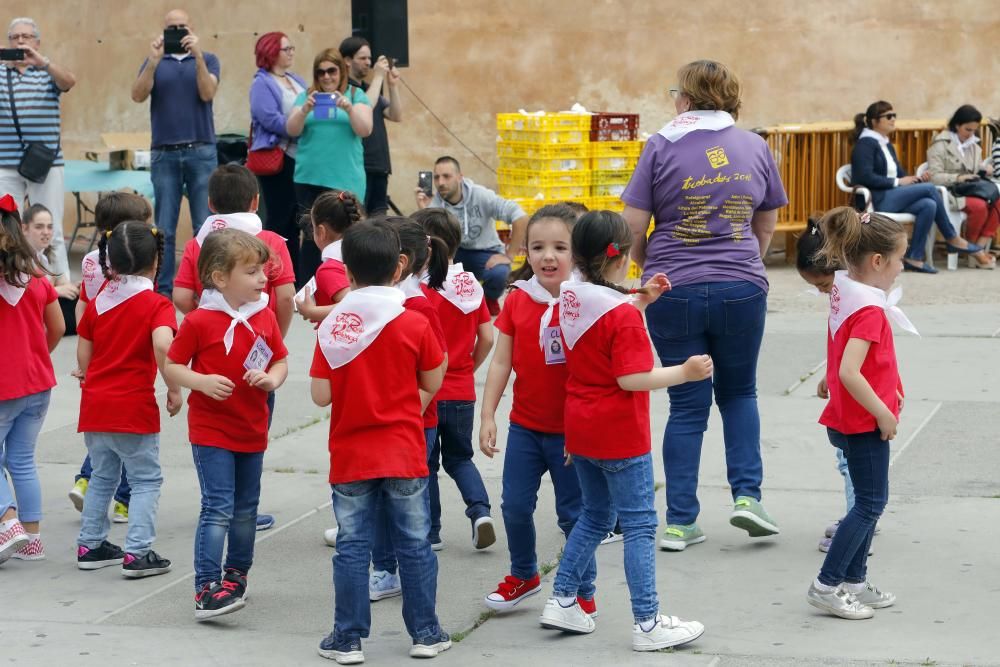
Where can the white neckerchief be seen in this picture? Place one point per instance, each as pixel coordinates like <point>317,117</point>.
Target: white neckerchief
<point>12,294</point>
<point>964,145</point>
<point>213,300</point>
<point>245,222</point>
<point>581,304</point>
<point>93,277</point>
<point>356,322</point>
<point>120,290</point>
<point>869,133</point>
<point>689,121</point>
<point>411,287</point>
<point>534,290</point>
<point>883,141</point>
<point>331,251</point>
<point>462,289</point>
<point>848,296</point>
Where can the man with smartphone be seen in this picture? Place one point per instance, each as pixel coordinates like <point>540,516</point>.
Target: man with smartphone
<point>180,81</point>
<point>34,84</point>
<point>381,83</point>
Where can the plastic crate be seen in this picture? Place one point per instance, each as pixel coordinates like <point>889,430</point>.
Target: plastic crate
<point>614,163</point>
<point>543,122</point>
<point>542,178</point>
<point>557,192</point>
<point>543,157</point>
<point>608,190</point>
<point>606,203</point>
<point>611,177</point>
<point>634,272</point>
<point>545,136</point>
<point>614,126</point>
<point>545,165</point>
<point>615,149</point>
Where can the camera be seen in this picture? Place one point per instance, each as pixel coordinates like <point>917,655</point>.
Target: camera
<point>11,54</point>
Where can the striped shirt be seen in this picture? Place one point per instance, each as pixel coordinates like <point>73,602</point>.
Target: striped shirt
<point>37,99</point>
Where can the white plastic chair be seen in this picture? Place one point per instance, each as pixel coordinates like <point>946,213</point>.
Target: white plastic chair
<point>844,184</point>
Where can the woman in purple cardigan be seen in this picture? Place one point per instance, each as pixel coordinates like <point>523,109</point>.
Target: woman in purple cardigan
<point>272,93</point>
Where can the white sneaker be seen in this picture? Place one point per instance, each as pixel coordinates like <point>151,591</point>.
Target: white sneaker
<point>570,619</point>
<point>383,584</point>
<point>483,533</point>
<point>330,536</point>
<point>668,631</point>
<point>875,598</point>
<point>839,603</point>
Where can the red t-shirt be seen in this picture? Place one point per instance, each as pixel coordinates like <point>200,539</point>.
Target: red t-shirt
<point>279,270</point>
<point>375,425</point>
<point>27,367</point>
<point>460,332</point>
<point>604,421</point>
<point>331,278</point>
<point>238,423</point>
<point>118,394</point>
<point>422,305</point>
<point>843,413</point>
<point>539,388</point>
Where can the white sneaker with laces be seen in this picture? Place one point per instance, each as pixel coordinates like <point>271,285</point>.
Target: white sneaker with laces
<point>571,619</point>
<point>875,598</point>
<point>668,631</point>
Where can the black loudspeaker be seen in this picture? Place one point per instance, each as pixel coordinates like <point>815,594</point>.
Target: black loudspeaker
<point>384,24</point>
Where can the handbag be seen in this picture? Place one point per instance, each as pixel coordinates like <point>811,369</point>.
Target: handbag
<point>38,158</point>
<point>979,188</point>
<point>264,161</point>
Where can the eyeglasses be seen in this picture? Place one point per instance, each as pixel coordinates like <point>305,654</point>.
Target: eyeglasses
<point>889,116</point>
<point>21,35</point>
<point>288,49</point>
<point>328,72</point>
<point>674,93</point>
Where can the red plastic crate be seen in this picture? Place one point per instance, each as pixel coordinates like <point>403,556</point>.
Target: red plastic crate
<point>614,126</point>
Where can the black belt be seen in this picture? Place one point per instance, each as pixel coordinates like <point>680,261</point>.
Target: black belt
<point>180,147</point>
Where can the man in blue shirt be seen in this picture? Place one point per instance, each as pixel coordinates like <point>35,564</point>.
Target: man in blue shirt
<point>180,88</point>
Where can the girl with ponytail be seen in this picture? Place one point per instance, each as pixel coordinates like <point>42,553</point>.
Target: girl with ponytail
<point>331,215</point>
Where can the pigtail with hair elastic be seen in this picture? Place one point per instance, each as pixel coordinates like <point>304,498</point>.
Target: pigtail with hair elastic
<point>102,254</point>
<point>437,263</point>
<point>849,237</point>
<point>600,237</point>
<point>158,235</point>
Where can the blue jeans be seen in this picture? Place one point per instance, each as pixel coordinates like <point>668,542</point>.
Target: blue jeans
<point>173,173</point>
<point>529,455</point>
<point>383,553</point>
<point>725,320</point>
<point>624,486</point>
<point>122,494</point>
<point>406,507</point>
<point>924,202</point>
<point>108,453</point>
<point>20,423</point>
<point>868,462</point>
<point>230,491</point>
<point>494,280</point>
<point>454,448</point>
<point>845,473</point>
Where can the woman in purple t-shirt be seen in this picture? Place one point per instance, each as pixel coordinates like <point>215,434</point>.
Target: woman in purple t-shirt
<point>715,192</point>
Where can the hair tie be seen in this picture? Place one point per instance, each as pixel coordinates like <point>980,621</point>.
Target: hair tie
<point>428,241</point>
<point>107,234</point>
<point>342,196</point>
<point>154,231</point>
<point>7,204</point>
<point>612,250</point>
<point>814,231</point>
<point>866,217</point>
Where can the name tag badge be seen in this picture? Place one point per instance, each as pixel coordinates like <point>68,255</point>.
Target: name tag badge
<point>555,351</point>
<point>259,357</point>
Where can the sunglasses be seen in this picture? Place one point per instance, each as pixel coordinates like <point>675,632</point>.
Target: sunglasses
<point>889,116</point>
<point>328,72</point>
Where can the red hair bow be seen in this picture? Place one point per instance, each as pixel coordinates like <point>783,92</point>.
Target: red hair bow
<point>612,250</point>
<point>7,204</point>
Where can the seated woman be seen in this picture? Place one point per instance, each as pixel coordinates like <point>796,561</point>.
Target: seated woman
<point>875,166</point>
<point>38,229</point>
<point>955,157</point>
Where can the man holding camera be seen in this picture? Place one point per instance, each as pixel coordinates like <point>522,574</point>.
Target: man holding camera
<point>31,159</point>
<point>180,81</point>
<point>357,54</point>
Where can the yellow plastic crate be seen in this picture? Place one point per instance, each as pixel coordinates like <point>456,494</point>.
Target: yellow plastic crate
<point>545,165</point>
<point>542,178</point>
<point>615,149</point>
<point>634,272</point>
<point>545,136</point>
<point>607,203</point>
<point>557,192</point>
<point>614,163</point>
<point>522,149</point>
<point>611,177</point>
<point>608,190</point>
<point>544,122</point>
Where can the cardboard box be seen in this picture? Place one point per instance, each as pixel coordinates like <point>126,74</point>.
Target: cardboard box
<point>123,150</point>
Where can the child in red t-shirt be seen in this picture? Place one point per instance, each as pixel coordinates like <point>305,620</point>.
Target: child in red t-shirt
<point>609,359</point>
<point>378,364</point>
<point>31,324</point>
<point>123,337</point>
<point>424,256</point>
<point>465,319</point>
<point>865,395</point>
<point>531,345</point>
<point>110,211</point>
<point>237,355</point>
<point>331,215</point>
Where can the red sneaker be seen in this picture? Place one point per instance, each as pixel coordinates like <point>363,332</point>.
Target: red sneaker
<point>511,591</point>
<point>589,607</point>
<point>494,307</point>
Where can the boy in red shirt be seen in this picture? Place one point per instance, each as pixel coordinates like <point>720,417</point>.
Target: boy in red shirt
<point>372,361</point>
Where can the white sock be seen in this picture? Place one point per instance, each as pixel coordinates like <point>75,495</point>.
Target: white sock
<point>646,626</point>
<point>565,602</point>
<point>33,536</point>
<point>7,525</point>
<point>855,588</point>
<point>823,588</point>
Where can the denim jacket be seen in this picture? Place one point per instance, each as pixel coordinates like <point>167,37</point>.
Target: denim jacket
<point>267,122</point>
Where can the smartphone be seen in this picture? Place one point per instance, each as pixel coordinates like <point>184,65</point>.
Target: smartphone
<point>326,106</point>
<point>172,40</point>
<point>425,181</point>
<point>11,54</point>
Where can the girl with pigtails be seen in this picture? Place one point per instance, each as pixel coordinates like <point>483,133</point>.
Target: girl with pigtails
<point>124,335</point>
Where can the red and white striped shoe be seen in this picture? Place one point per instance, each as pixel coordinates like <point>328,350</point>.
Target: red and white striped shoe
<point>33,550</point>
<point>12,539</point>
